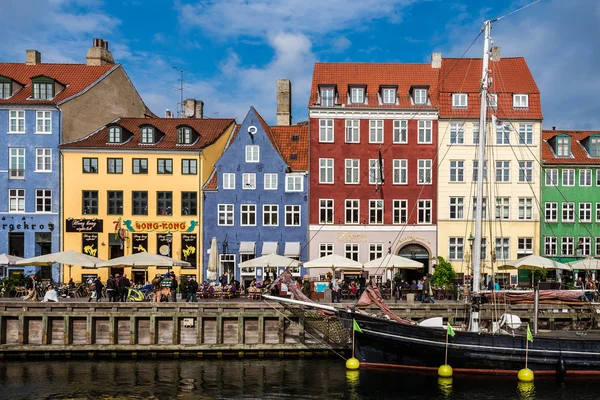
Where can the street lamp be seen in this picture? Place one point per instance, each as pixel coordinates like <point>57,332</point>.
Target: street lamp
<point>471,239</point>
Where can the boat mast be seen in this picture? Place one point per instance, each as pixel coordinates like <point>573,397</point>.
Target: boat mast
<point>476,261</point>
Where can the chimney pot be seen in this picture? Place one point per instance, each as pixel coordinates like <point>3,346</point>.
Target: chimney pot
<point>436,60</point>
<point>99,54</point>
<point>199,110</point>
<point>168,113</point>
<point>189,108</point>
<point>496,53</point>
<point>553,128</point>
<point>33,57</point>
<point>284,102</point>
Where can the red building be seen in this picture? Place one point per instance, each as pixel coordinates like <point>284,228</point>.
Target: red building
<point>361,116</point>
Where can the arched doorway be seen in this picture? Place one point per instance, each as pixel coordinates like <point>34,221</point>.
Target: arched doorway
<point>418,253</point>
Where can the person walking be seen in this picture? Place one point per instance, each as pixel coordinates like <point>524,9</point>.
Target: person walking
<point>156,283</point>
<point>98,284</point>
<point>174,285</point>
<point>111,289</point>
<point>124,285</point>
<point>427,291</point>
<point>192,288</point>
<point>335,290</point>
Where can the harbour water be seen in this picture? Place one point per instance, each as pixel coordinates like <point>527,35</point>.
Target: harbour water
<point>259,379</point>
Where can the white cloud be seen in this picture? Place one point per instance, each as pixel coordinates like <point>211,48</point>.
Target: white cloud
<point>340,44</point>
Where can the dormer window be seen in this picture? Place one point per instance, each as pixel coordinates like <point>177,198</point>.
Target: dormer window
<point>5,87</point>
<point>43,88</point>
<point>357,95</point>
<point>420,96</point>
<point>492,100</point>
<point>594,146</point>
<point>147,135</point>
<point>115,134</point>
<point>388,95</point>
<point>184,135</point>
<point>520,101</point>
<point>563,146</point>
<point>327,96</point>
<point>459,100</point>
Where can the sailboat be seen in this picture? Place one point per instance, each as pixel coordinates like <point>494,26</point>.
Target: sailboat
<point>394,342</point>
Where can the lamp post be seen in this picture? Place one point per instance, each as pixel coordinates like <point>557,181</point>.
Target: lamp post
<point>471,239</point>
<point>169,237</point>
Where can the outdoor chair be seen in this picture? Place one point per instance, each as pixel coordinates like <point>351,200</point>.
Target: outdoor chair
<point>345,294</point>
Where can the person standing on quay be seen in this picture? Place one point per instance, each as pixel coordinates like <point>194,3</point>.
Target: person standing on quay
<point>111,289</point>
<point>173,287</point>
<point>192,288</point>
<point>99,286</point>
<point>124,285</point>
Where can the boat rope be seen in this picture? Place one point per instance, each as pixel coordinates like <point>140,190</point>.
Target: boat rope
<point>515,11</point>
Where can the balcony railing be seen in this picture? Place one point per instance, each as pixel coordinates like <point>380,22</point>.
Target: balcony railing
<point>16,173</point>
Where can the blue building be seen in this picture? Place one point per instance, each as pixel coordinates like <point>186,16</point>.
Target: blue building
<point>256,200</point>
<point>41,105</point>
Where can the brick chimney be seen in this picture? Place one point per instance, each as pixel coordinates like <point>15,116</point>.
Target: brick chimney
<point>33,57</point>
<point>193,108</point>
<point>284,102</point>
<point>436,60</point>
<point>496,53</point>
<point>99,54</point>
<point>199,109</point>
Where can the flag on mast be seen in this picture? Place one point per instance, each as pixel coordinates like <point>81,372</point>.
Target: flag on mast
<point>529,335</point>
<point>355,326</point>
<point>450,330</point>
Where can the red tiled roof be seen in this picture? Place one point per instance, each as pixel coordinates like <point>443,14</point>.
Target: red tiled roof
<point>210,129</point>
<point>374,76</point>
<point>76,78</point>
<point>578,154</point>
<point>211,183</point>
<point>284,137</point>
<point>509,76</point>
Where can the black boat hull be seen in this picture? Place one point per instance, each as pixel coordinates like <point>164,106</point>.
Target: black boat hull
<point>389,343</point>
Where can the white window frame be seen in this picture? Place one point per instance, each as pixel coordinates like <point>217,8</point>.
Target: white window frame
<point>550,246</point>
<point>504,168</point>
<point>568,209</point>
<point>525,245</point>
<point>502,244</point>
<point>326,206</point>
<point>551,209</point>
<point>456,248</point>
<point>525,208</point>
<point>526,171</point>
<point>326,134</point>
<point>551,177</point>
<point>400,211</point>
<point>425,132</point>
<point>520,100</point>
<point>16,200</point>
<point>248,210</point>
<point>568,177</point>
<point>457,170</point>
<point>326,171</point>
<point>585,212</point>
<point>400,131</point>
<point>352,171</point>
<point>228,181</point>
<point>327,101</point>
<point>585,177</point>
<point>357,95</point>
<point>567,246</point>
<point>45,156</point>
<point>597,212</point>
<point>351,251</point>
<point>485,170</point>
<point>270,215</point>
<point>424,206</point>
<point>249,181</point>
<point>376,131</point>
<point>325,249</point>
<point>293,211</point>
<point>375,172</point>
<point>586,247</point>
<point>460,100</point>
<point>597,246</point>
<point>45,195</point>
<point>45,117</point>
<point>376,212</point>
<point>493,100</point>
<point>18,154</point>
<point>483,205</point>
<point>424,176</point>
<point>400,172</point>
<point>563,146</point>
<point>252,153</point>
<point>294,183</point>
<point>457,208</point>
<point>475,132</point>
<point>503,135</point>
<point>375,251</point>
<point>503,208</point>
<point>457,133</point>
<point>227,211</point>
<point>352,131</point>
<point>420,96</point>
<point>352,209</point>
<point>526,134</point>
<point>16,119</point>
<point>388,96</point>
<point>270,181</point>
<point>115,134</point>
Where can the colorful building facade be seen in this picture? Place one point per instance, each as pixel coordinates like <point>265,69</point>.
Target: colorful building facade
<point>373,146</point>
<point>135,185</point>
<point>40,103</point>
<point>512,173</point>
<point>570,188</point>
<point>256,201</point>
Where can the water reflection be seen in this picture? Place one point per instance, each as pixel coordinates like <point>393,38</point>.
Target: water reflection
<point>445,386</point>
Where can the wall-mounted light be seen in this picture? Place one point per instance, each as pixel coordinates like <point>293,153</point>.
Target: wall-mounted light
<point>103,244</point>
<point>23,218</point>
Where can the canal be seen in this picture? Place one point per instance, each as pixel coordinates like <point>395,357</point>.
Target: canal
<point>258,379</point>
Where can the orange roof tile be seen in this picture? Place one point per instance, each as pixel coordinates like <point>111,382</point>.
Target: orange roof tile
<point>509,76</point>
<point>76,78</point>
<point>292,142</point>
<point>209,129</point>
<point>579,155</point>
<point>373,76</point>
<point>211,183</point>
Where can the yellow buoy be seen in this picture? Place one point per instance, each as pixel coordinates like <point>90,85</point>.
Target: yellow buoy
<point>445,386</point>
<point>525,375</point>
<point>445,371</point>
<point>352,364</point>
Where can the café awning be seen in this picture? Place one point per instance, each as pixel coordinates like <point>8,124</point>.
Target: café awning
<point>247,247</point>
<point>292,249</point>
<point>269,247</point>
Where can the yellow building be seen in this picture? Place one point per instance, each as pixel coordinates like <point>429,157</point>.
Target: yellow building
<point>512,175</point>
<point>135,185</point>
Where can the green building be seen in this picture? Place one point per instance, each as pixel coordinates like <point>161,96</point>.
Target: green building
<point>570,195</point>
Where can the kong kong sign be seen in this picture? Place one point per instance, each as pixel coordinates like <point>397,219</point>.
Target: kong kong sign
<point>84,225</point>
<point>139,242</point>
<point>89,244</point>
<point>188,248</point>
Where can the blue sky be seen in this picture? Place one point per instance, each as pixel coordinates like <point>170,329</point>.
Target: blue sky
<point>233,51</point>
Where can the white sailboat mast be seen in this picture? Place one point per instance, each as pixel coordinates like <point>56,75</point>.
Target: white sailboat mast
<point>476,261</point>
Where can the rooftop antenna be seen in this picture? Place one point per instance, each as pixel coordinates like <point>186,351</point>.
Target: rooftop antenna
<point>181,89</point>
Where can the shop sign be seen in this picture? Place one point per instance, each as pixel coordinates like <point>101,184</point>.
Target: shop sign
<point>26,226</point>
<point>163,226</point>
<point>139,243</point>
<point>188,248</point>
<point>84,225</point>
<point>352,237</point>
<point>89,244</point>
<point>413,239</point>
<point>164,244</point>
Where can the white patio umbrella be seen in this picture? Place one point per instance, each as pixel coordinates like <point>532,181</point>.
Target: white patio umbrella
<point>392,261</point>
<point>68,257</point>
<point>213,260</point>
<point>7,259</point>
<point>334,262</point>
<point>533,262</point>
<point>586,264</point>
<point>270,260</point>
<point>143,259</point>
